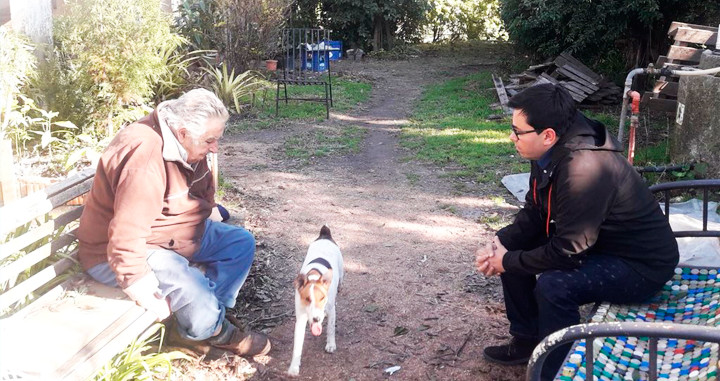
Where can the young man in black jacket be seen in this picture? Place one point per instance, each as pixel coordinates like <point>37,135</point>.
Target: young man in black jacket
<point>590,229</point>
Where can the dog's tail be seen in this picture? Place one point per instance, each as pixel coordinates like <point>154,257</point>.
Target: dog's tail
<point>325,234</point>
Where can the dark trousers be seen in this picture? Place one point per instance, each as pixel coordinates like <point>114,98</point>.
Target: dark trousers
<point>537,307</point>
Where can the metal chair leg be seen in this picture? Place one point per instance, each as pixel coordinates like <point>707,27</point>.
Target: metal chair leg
<point>277,100</point>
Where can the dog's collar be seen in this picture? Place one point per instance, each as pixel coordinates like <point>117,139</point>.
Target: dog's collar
<point>320,264</point>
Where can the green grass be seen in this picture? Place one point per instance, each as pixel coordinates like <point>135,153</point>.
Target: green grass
<point>346,96</point>
<point>450,127</point>
<point>324,142</point>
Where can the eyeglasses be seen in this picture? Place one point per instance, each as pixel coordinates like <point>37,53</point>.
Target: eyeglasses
<point>518,132</point>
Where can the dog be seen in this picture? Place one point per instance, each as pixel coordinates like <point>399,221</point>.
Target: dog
<point>316,287</point>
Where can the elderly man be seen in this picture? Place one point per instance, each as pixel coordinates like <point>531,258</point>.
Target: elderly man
<point>590,229</point>
<point>146,222</point>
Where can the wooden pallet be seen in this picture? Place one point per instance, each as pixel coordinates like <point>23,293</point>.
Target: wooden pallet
<point>689,41</point>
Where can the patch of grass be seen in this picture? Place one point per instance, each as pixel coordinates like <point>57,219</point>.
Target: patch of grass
<point>325,142</point>
<point>347,95</point>
<point>450,126</point>
<point>140,361</point>
<point>494,221</point>
<point>412,178</point>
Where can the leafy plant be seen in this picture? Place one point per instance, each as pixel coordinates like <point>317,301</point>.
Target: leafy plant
<point>17,65</point>
<point>243,32</point>
<point>591,30</point>
<point>178,76</point>
<point>108,56</point>
<point>231,88</point>
<point>136,364</point>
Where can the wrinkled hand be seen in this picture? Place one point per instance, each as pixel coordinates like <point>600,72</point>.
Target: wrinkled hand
<point>146,293</point>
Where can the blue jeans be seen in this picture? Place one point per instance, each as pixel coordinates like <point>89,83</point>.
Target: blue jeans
<point>537,307</point>
<point>198,300</point>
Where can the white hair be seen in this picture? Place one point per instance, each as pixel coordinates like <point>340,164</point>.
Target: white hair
<point>192,111</point>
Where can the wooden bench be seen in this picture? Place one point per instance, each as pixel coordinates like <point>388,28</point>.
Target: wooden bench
<point>57,323</point>
<point>675,335</point>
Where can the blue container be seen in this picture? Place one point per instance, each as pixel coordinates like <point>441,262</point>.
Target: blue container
<point>315,60</point>
<point>336,52</point>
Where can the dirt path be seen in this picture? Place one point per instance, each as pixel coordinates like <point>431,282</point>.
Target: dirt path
<point>411,297</point>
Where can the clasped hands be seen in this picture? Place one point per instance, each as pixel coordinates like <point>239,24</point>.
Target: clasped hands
<point>488,258</point>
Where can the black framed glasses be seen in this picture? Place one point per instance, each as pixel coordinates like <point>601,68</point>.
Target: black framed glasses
<point>518,132</point>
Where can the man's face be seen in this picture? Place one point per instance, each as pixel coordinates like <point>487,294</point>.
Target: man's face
<point>198,148</point>
<point>529,144</point>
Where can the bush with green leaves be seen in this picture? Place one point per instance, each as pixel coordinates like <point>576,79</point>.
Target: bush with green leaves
<point>242,32</point>
<point>601,33</point>
<point>108,56</point>
<point>17,65</point>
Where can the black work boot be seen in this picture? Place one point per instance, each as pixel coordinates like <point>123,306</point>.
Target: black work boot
<point>516,352</point>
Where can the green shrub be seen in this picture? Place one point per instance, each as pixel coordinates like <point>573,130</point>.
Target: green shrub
<point>241,31</point>
<point>591,30</point>
<point>108,56</point>
<point>17,65</point>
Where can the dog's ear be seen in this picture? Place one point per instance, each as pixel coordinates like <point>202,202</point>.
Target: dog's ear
<point>300,281</point>
<point>327,277</point>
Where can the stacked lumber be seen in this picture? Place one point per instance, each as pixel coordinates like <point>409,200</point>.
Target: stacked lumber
<point>584,85</point>
<point>689,40</point>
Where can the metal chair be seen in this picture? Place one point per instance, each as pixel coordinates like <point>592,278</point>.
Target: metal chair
<point>305,62</point>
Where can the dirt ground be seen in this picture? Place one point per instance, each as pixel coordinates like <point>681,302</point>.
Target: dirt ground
<point>411,297</point>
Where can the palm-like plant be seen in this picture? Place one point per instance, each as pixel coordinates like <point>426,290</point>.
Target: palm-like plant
<point>235,90</point>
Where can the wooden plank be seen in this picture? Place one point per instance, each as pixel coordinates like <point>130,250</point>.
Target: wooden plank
<point>502,94</point>
<point>676,25</point>
<point>548,78</point>
<point>578,89</point>
<point>657,104</point>
<point>20,242</point>
<point>561,62</point>
<point>40,203</point>
<point>696,36</point>
<point>103,347</point>
<point>669,89</point>
<point>80,330</point>
<point>684,53</point>
<point>589,87</point>
<point>581,66</point>
<point>576,96</point>
<point>14,268</point>
<point>36,281</point>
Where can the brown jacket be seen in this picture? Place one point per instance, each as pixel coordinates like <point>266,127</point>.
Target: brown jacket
<point>144,195</point>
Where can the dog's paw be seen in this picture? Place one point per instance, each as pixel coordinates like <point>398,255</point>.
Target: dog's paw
<point>330,347</point>
<point>293,370</point>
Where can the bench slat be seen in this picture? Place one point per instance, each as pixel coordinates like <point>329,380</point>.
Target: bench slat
<point>36,281</point>
<point>34,235</point>
<point>20,212</point>
<point>103,347</point>
<point>12,270</point>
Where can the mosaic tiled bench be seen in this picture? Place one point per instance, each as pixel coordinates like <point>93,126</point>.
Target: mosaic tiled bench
<point>674,336</point>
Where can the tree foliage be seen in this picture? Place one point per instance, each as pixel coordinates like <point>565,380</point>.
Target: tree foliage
<point>240,31</point>
<point>377,24</point>
<point>596,31</point>
<point>456,20</point>
<point>108,56</point>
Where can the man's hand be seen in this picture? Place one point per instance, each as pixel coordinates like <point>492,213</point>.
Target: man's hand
<point>146,293</point>
<point>482,259</point>
<point>496,260</point>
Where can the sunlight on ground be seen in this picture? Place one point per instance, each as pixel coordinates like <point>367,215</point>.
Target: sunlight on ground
<point>352,266</point>
<point>369,120</point>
